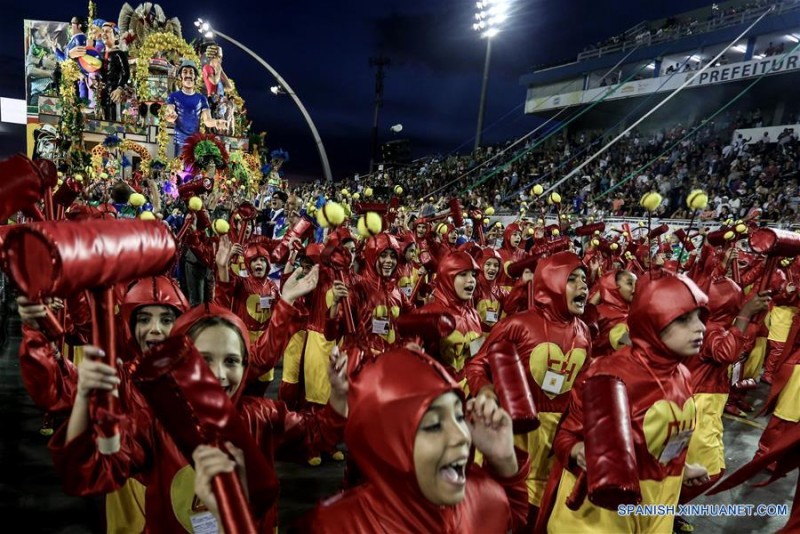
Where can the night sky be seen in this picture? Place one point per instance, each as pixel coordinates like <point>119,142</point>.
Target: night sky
<point>322,49</point>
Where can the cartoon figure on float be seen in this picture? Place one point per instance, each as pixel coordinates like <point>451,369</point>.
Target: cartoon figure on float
<point>186,108</point>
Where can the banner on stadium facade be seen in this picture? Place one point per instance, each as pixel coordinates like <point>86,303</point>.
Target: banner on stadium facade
<point>748,69</point>
<point>715,75</point>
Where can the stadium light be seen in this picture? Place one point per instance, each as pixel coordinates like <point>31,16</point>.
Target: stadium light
<point>490,15</point>
<point>205,29</point>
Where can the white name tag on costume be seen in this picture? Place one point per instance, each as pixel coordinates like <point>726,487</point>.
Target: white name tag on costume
<point>380,326</point>
<point>204,523</point>
<point>675,446</point>
<point>265,302</point>
<point>491,316</point>
<point>243,273</point>
<point>476,345</point>
<point>553,382</point>
<point>407,291</point>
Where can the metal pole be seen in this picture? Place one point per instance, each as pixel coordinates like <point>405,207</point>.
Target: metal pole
<point>482,107</point>
<point>323,156</point>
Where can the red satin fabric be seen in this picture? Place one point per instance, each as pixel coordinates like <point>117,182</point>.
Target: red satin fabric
<point>508,254</point>
<point>489,291</point>
<point>468,322</point>
<point>549,322</point>
<point>22,185</point>
<point>150,455</point>
<point>611,471</point>
<point>149,291</point>
<point>388,398</point>
<point>63,258</point>
<point>51,380</point>
<point>511,386</point>
<point>611,311</point>
<point>235,295</point>
<point>656,304</point>
<point>724,344</point>
<point>187,400</point>
<point>372,296</point>
<point>786,453</point>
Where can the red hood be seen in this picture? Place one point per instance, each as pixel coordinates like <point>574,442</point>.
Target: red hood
<point>550,282</point>
<point>725,300</point>
<point>656,303</point>
<point>150,291</point>
<point>373,249</point>
<point>487,254</point>
<point>255,250</point>
<point>449,267</point>
<point>340,236</point>
<point>388,397</point>
<point>510,229</point>
<point>203,311</point>
<point>609,292</point>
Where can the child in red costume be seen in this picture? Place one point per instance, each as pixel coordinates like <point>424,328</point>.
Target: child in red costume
<point>509,253</point>
<point>375,299</point>
<point>147,315</point>
<point>554,345</point>
<point>666,326</point>
<point>453,290</point>
<point>149,454</point>
<point>489,297</point>
<point>726,341</point>
<point>408,268</point>
<point>250,297</point>
<point>616,293</point>
<point>411,434</point>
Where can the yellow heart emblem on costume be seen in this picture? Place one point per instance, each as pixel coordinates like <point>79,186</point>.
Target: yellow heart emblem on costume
<point>664,420</point>
<point>488,305</point>
<point>255,310</point>
<point>549,357</point>
<point>405,281</point>
<point>615,335</point>
<point>455,347</point>
<point>329,298</point>
<point>381,312</point>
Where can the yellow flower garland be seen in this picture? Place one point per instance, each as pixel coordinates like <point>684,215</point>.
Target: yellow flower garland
<point>100,152</point>
<point>154,45</point>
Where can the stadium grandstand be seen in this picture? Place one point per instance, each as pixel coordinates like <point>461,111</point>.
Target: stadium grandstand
<point>700,99</point>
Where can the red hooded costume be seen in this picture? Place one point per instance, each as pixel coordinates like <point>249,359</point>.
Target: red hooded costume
<point>509,255</point>
<point>456,348</point>
<point>249,298</point>
<point>376,301</point>
<point>149,454</point>
<point>612,316</point>
<point>51,380</point>
<point>662,414</point>
<point>554,345</point>
<point>388,399</point>
<point>489,296</point>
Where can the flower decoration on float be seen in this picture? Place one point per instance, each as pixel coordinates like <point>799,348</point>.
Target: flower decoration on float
<point>157,45</point>
<point>202,150</point>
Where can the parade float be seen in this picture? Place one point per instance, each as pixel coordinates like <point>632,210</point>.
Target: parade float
<point>117,99</point>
